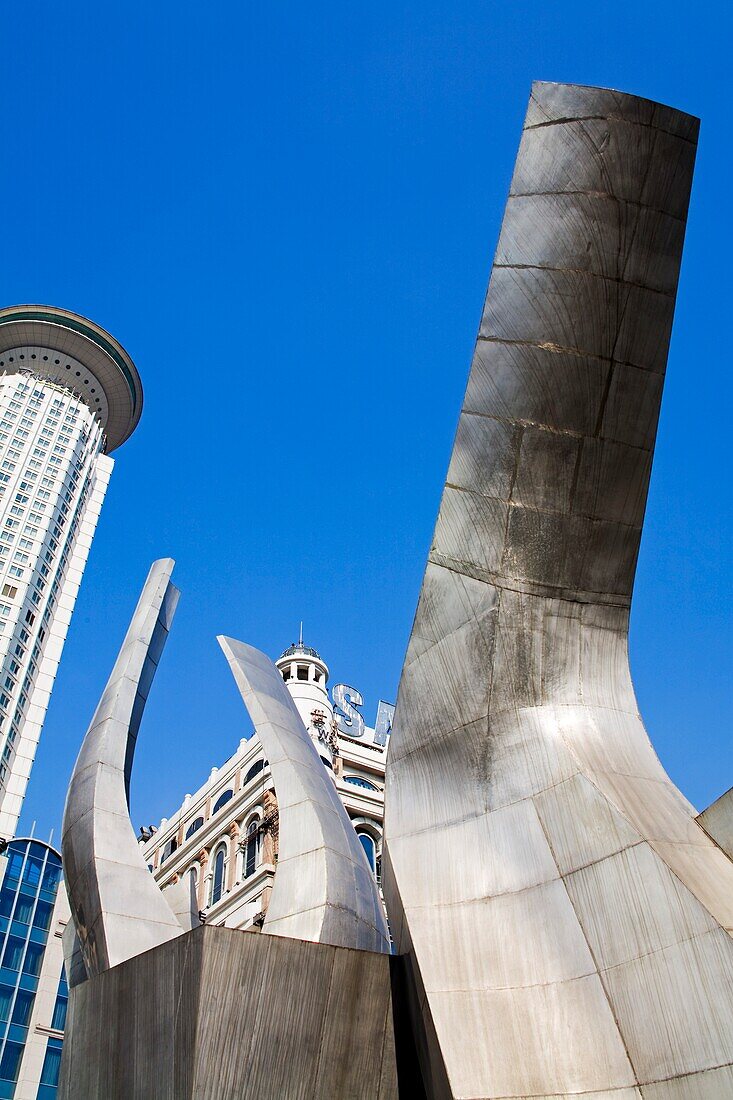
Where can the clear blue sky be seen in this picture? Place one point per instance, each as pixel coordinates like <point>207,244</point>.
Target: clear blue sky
<point>287,213</point>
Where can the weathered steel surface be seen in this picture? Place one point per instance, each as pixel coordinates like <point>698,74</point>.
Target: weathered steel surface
<point>220,1014</point>
<point>118,909</point>
<point>566,918</point>
<point>324,889</point>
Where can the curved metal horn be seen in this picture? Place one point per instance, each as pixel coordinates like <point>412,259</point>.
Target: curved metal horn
<point>564,913</point>
<point>324,889</point>
<point>117,907</point>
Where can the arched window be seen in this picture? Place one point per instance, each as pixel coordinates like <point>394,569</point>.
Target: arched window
<point>252,847</point>
<point>327,762</point>
<point>253,771</point>
<point>194,827</point>
<point>217,881</point>
<point>169,848</point>
<point>369,845</point>
<point>222,801</point>
<point>193,874</point>
<point>357,781</point>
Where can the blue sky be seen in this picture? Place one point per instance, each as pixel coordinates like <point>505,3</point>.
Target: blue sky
<point>287,214</point>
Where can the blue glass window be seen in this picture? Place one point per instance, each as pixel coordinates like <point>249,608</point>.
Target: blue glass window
<point>33,870</point>
<point>33,959</point>
<point>217,886</point>
<point>253,771</point>
<point>42,915</point>
<point>28,894</point>
<point>222,800</point>
<point>22,1009</point>
<point>59,1013</point>
<point>13,954</point>
<point>51,877</point>
<point>23,908</point>
<point>357,781</point>
<point>62,999</point>
<point>252,847</point>
<point>10,1061</point>
<point>367,843</point>
<point>15,864</point>
<point>50,1071</point>
<point>194,827</point>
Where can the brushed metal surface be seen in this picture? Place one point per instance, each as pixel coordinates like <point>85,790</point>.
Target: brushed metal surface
<point>324,889</point>
<point>221,1014</point>
<point>117,908</point>
<point>566,919</point>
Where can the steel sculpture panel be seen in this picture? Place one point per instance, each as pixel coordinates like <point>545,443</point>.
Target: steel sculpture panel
<point>566,919</point>
<point>324,889</point>
<point>117,908</point>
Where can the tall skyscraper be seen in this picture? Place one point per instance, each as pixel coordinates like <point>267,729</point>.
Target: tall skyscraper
<point>69,395</point>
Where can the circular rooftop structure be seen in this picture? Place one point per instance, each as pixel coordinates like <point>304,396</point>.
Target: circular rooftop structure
<point>73,352</point>
<point>298,649</point>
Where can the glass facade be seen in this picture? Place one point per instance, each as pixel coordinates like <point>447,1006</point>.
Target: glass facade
<point>27,899</point>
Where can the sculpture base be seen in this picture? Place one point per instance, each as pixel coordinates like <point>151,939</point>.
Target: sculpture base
<point>219,1014</point>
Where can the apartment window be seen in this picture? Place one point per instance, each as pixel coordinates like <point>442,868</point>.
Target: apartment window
<point>357,781</point>
<point>10,591</point>
<point>15,571</point>
<point>169,848</point>
<point>253,771</point>
<point>222,801</point>
<point>217,882</point>
<point>194,827</point>
<point>370,849</point>
<point>252,847</point>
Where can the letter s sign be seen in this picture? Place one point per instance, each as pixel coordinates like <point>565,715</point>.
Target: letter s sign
<point>349,720</point>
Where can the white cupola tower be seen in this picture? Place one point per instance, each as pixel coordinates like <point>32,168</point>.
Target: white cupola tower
<point>306,676</point>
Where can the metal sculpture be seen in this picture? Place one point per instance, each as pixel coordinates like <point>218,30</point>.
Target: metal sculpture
<point>118,909</point>
<point>565,918</point>
<point>324,889</point>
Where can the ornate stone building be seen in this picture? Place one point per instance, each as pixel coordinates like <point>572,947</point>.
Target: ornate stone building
<point>226,834</point>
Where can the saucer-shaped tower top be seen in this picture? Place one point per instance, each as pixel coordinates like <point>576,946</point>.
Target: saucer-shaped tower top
<point>73,352</point>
